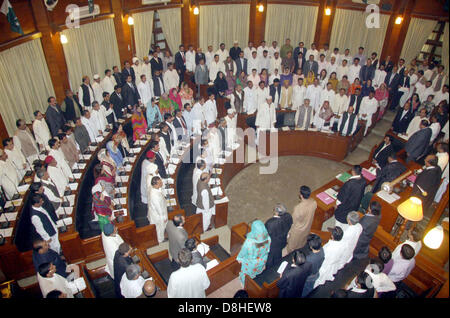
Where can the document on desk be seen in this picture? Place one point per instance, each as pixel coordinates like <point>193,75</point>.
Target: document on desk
<point>80,166</point>
<point>6,232</point>
<point>217,170</point>
<point>170,181</point>
<point>18,202</point>
<point>8,217</point>
<point>92,148</point>
<point>124,178</point>
<point>123,201</point>
<point>211,264</point>
<point>369,176</point>
<point>135,150</point>
<point>216,191</point>
<point>67,210</point>
<point>343,177</point>
<point>325,198</point>
<point>285,128</point>
<point>203,248</point>
<point>169,191</point>
<point>214,181</point>
<point>77,285</point>
<point>99,139</point>
<point>282,267</point>
<point>66,221</point>
<point>73,186</point>
<point>23,188</point>
<point>389,198</point>
<point>122,190</point>
<point>70,198</point>
<point>171,168</point>
<point>331,193</point>
<point>174,160</point>
<point>77,175</point>
<point>171,202</point>
<point>235,146</point>
<point>132,159</point>
<point>223,200</point>
<point>128,168</point>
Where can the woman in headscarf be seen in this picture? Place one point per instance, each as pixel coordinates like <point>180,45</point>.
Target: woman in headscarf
<point>324,116</point>
<point>334,81</point>
<point>356,84</point>
<point>186,94</point>
<point>220,84</point>
<point>175,98</point>
<point>231,82</point>
<point>101,205</point>
<point>254,251</point>
<point>309,80</point>
<point>123,138</point>
<point>139,123</point>
<point>166,105</point>
<point>105,172</point>
<point>114,151</point>
<point>382,95</point>
<point>366,88</point>
<point>242,80</point>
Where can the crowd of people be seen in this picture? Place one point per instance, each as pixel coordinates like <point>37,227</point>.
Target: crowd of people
<point>329,91</point>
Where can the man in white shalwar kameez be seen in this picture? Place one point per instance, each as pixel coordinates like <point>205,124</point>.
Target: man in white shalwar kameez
<point>25,142</point>
<point>108,82</point>
<point>350,238</point>
<point>231,120</point>
<point>98,118</point>
<point>171,78</point>
<point>15,157</point>
<point>137,66</point>
<point>57,175</point>
<point>250,105</point>
<point>200,167</point>
<point>58,155</point>
<point>110,241</point>
<point>97,88</point>
<point>210,110</point>
<point>90,127</point>
<point>340,104</point>
<point>157,207</point>
<point>41,131</point>
<point>190,59</point>
<point>313,94</point>
<point>198,117</point>
<point>149,169</point>
<point>215,143</point>
<point>369,106</point>
<point>265,117</point>
<point>9,179</point>
<point>145,89</point>
<point>52,281</point>
<point>205,200</point>
<point>298,94</point>
<point>215,67</point>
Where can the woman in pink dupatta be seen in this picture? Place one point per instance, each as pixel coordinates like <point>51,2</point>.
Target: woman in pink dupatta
<point>382,95</point>
<point>174,96</point>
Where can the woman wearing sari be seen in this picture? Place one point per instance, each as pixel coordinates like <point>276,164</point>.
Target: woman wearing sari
<point>186,94</point>
<point>242,80</point>
<point>254,251</point>
<point>309,80</point>
<point>114,151</point>
<point>101,205</point>
<point>366,88</point>
<point>345,84</point>
<point>334,81</point>
<point>139,123</point>
<point>382,95</point>
<point>123,138</point>
<point>356,84</point>
<point>220,84</point>
<point>166,105</point>
<point>287,75</point>
<point>231,82</point>
<point>175,98</point>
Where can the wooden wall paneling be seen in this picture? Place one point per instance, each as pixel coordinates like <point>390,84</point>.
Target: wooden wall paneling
<point>324,23</point>
<point>257,24</point>
<point>52,48</point>
<point>123,32</point>
<point>23,11</point>
<point>189,25</point>
<point>396,33</point>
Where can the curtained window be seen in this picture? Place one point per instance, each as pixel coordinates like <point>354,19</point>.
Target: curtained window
<point>25,84</point>
<point>350,32</point>
<point>295,22</point>
<point>171,26</point>
<point>224,24</point>
<point>143,29</point>
<point>418,32</point>
<point>91,49</point>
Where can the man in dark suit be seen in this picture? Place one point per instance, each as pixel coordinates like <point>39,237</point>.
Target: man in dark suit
<point>130,93</point>
<point>293,278</point>
<point>117,76</point>
<point>180,125</point>
<point>403,118</point>
<point>118,102</point>
<point>310,65</point>
<point>54,117</point>
<point>381,154</point>
<point>241,64</point>
<point>355,100</point>
<point>199,55</point>
<point>349,196</point>
<point>299,62</point>
<point>120,263</point>
<point>388,64</point>
<point>158,84</point>
<point>108,106</point>
<point>235,50</point>
<point>278,227</point>
<point>427,183</point>
<point>392,81</point>
<point>369,223</point>
<point>275,92</point>
<point>367,72</point>
<point>159,161</point>
<point>299,49</point>
<point>389,172</point>
<point>128,71</point>
<point>180,62</point>
<point>417,145</point>
<point>71,106</point>
<point>177,238</point>
<point>156,63</point>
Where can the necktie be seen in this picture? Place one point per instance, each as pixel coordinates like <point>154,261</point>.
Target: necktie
<point>182,123</point>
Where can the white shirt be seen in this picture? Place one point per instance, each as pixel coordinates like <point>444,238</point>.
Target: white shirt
<point>341,71</point>
<point>298,96</point>
<point>379,77</point>
<point>137,72</point>
<point>266,116</point>
<point>190,61</point>
<point>56,282</point>
<point>188,282</point>
<point>323,66</point>
<point>272,77</point>
<point>61,161</point>
<point>209,57</point>
<point>98,117</point>
<point>248,52</point>
<point>171,79</point>
<point>9,178</point>
<point>414,125</point>
<point>197,118</point>
<point>110,246</point>
<point>195,177</point>
<point>145,91</point>
<point>131,288</point>
<point>337,56</point>
<point>222,54</point>
<point>440,96</point>
<point>328,95</point>
<point>210,111</point>
<point>261,95</point>
<point>442,160</point>
<point>349,58</point>
<point>40,227</point>
<point>353,72</point>
<point>345,128</point>
<point>98,92</point>
<point>263,63</point>
<point>215,67</point>
<point>435,129</point>
<point>331,68</point>
<point>340,104</point>
<point>368,107</point>
<point>272,51</point>
<point>275,64</point>
<point>313,94</point>
<point>41,132</point>
<point>250,105</point>
<point>253,63</point>
<point>107,84</point>
<point>315,53</point>
<point>90,127</point>
<point>260,51</point>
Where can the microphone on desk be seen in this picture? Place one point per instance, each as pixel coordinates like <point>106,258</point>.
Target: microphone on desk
<point>17,194</point>
<point>4,224</point>
<point>63,229</point>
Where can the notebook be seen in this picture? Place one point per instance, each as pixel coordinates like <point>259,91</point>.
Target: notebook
<point>368,175</point>
<point>325,198</point>
<point>343,176</point>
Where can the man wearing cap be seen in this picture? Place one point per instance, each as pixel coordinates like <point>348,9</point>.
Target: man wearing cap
<point>97,88</point>
<point>9,178</point>
<point>86,93</point>
<point>148,166</point>
<point>231,120</point>
<point>157,207</point>
<point>205,201</point>
<point>210,110</point>
<point>121,261</point>
<point>266,116</point>
<point>137,67</point>
<point>57,175</point>
<point>235,50</point>
<point>278,227</point>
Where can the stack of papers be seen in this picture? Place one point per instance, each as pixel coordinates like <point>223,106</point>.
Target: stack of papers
<point>18,202</point>
<point>8,217</point>
<point>220,161</point>
<point>23,188</point>
<point>368,175</point>
<point>77,285</point>
<point>135,150</point>
<point>171,202</point>
<point>171,168</point>
<point>175,161</point>
<point>389,198</point>
<point>203,248</point>
<point>121,120</point>
<point>223,200</point>
<point>122,190</point>
<point>405,137</point>
<point>65,221</point>
<point>211,264</point>
<point>216,191</point>
<point>122,178</point>
<point>325,198</point>
<point>214,181</point>
<point>331,193</point>
<point>6,232</point>
<point>343,176</point>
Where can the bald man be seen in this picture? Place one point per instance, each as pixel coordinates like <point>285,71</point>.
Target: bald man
<point>150,290</point>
